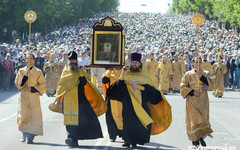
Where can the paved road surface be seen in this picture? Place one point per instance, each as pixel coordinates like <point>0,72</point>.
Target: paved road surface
<point>224,118</point>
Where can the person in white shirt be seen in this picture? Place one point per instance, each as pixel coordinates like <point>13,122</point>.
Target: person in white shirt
<point>84,60</point>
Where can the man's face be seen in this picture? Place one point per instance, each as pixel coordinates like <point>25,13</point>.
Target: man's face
<point>205,57</point>
<point>196,63</point>
<point>150,56</point>
<point>65,56</point>
<point>135,66</point>
<point>84,55</point>
<point>164,61</point>
<point>30,60</point>
<point>175,57</point>
<point>38,54</point>
<point>72,63</point>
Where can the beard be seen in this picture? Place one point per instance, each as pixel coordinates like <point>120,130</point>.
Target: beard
<point>73,67</point>
<point>136,69</point>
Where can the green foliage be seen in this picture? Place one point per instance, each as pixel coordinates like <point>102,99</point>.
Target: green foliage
<point>50,13</point>
<point>224,10</point>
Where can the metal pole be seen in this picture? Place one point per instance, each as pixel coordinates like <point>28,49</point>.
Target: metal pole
<point>29,46</point>
<point>198,54</point>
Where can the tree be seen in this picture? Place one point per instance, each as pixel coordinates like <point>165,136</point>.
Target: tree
<point>50,14</point>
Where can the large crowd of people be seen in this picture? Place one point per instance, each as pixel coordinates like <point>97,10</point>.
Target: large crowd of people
<point>162,55</point>
<point>170,35</point>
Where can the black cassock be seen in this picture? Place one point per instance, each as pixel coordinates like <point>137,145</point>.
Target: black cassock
<point>133,130</point>
<point>113,131</point>
<point>88,123</point>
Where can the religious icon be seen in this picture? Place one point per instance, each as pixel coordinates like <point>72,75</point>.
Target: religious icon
<point>107,44</point>
<point>107,47</point>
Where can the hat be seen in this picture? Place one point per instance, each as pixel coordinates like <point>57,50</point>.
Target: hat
<point>136,57</point>
<point>72,55</point>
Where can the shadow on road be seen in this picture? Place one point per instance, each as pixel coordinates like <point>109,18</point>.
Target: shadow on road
<point>49,144</point>
<point>5,94</point>
<point>155,145</point>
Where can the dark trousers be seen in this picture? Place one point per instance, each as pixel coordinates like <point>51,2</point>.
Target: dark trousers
<point>29,136</point>
<point>72,132</point>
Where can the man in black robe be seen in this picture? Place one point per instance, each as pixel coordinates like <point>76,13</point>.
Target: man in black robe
<point>135,89</point>
<point>80,117</point>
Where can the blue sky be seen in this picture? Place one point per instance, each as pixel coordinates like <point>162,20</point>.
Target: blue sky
<point>151,5</point>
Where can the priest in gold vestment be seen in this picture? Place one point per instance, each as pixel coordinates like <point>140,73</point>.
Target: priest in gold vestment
<point>151,66</point>
<point>62,63</point>
<point>164,74</point>
<point>82,103</point>
<point>145,109</point>
<point>206,65</point>
<point>50,69</point>
<point>193,87</point>
<point>177,72</point>
<point>31,82</point>
<point>183,66</point>
<point>219,69</point>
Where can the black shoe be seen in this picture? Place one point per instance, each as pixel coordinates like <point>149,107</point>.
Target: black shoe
<point>134,145</point>
<point>69,141</point>
<point>126,145</point>
<point>30,142</point>
<point>74,145</point>
<point>203,143</point>
<point>195,143</point>
<point>219,96</point>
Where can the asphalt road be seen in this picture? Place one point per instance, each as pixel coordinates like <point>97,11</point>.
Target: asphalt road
<point>224,119</point>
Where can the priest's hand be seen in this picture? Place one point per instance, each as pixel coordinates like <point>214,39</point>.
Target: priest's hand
<point>199,73</point>
<point>196,93</point>
<point>26,74</point>
<point>80,68</point>
<point>28,88</point>
<point>125,68</point>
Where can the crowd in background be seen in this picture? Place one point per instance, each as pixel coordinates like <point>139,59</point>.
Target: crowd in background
<point>159,34</point>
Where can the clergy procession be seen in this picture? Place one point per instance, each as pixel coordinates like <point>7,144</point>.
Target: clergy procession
<point>121,80</point>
